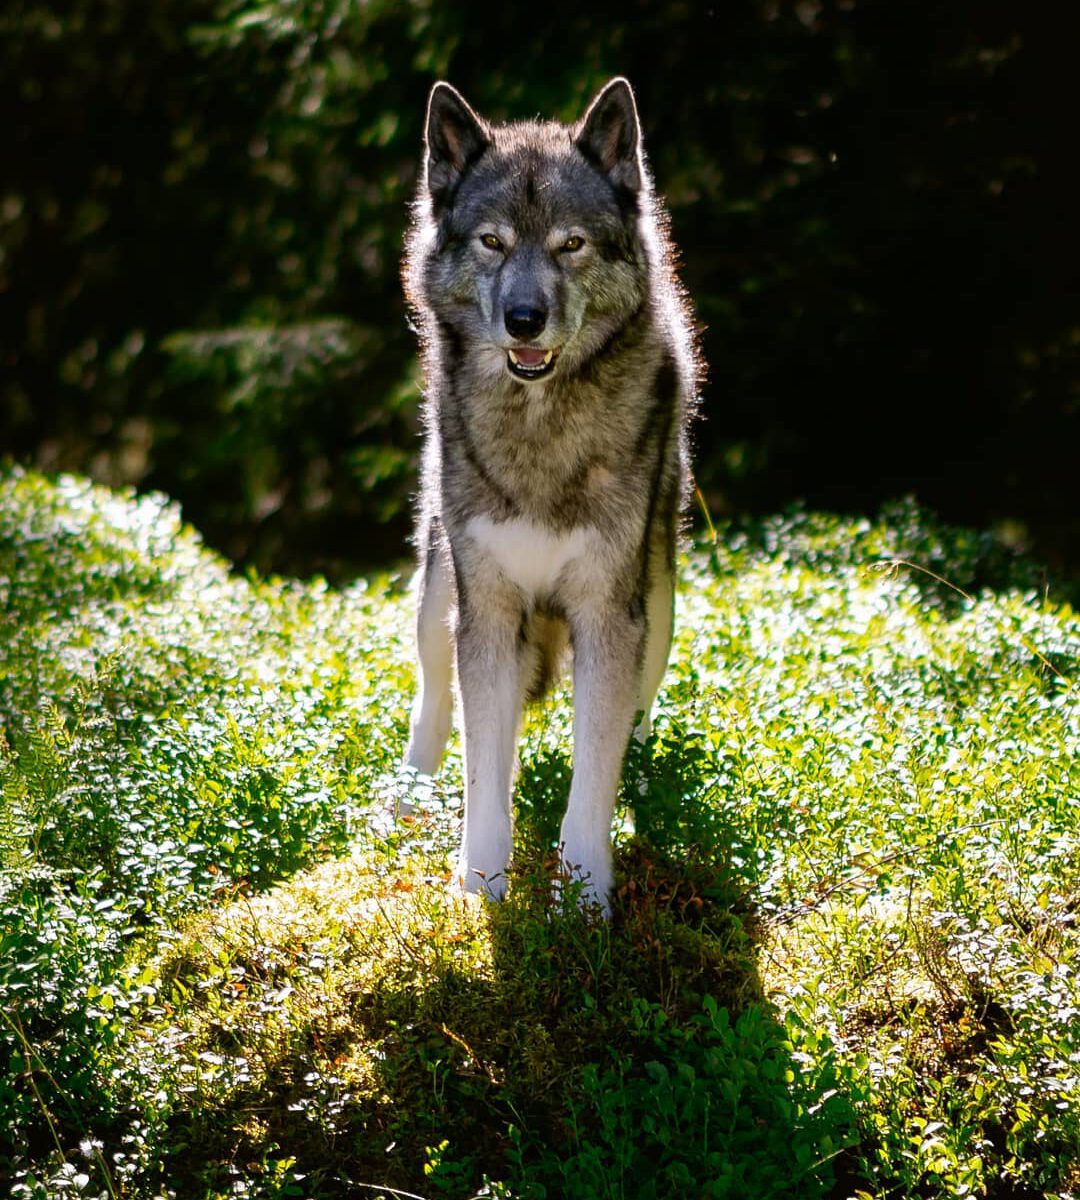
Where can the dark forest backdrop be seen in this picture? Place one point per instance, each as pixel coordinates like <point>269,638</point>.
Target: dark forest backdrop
<point>201,214</point>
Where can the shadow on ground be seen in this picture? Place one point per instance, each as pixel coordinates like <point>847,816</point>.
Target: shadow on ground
<point>362,1028</point>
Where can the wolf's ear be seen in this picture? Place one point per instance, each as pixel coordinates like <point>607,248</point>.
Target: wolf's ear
<point>609,135</point>
<point>455,138</point>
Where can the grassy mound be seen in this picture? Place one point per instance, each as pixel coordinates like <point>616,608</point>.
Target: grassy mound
<point>843,959</point>
<point>372,1027</point>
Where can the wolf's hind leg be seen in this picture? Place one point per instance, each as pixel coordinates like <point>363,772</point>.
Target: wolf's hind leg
<point>660,616</point>
<point>434,707</point>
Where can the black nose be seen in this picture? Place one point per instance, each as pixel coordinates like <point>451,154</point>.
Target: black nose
<point>522,322</point>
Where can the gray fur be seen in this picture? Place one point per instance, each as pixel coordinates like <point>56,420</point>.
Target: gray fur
<point>549,504</point>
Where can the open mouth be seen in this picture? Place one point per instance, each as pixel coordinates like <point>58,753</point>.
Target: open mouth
<point>527,363</point>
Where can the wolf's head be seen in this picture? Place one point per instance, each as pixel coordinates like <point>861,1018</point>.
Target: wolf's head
<point>531,245</point>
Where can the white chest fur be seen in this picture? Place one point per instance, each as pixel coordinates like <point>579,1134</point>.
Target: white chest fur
<point>529,555</point>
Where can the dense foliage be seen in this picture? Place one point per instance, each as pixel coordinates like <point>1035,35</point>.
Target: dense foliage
<point>203,204</point>
<point>844,957</point>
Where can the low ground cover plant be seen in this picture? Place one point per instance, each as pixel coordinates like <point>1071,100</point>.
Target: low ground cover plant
<point>843,957</point>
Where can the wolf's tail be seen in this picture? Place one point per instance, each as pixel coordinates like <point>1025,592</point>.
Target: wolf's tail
<point>548,643</point>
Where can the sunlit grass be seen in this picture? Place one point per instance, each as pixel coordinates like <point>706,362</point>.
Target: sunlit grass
<point>844,955</point>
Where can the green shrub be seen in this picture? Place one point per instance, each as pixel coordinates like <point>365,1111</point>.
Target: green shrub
<point>844,945</point>
<point>172,734</point>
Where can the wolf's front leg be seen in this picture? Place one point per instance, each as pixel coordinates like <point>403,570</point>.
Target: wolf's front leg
<point>607,666</point>
<point>490,678</point>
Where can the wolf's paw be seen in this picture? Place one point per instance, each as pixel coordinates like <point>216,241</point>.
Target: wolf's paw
<point>643,729</point>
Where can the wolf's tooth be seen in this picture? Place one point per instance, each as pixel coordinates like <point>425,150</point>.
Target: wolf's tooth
<point>513,357</point>
<point>547,357</point>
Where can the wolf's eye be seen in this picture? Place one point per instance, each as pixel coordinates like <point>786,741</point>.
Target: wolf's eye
<point>572,243</point>
<point>490,241</point>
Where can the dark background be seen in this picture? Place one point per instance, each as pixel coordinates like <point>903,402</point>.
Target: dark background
<point>202,207</point>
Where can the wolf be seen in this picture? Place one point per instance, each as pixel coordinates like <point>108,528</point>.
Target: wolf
<point>560,366</point>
